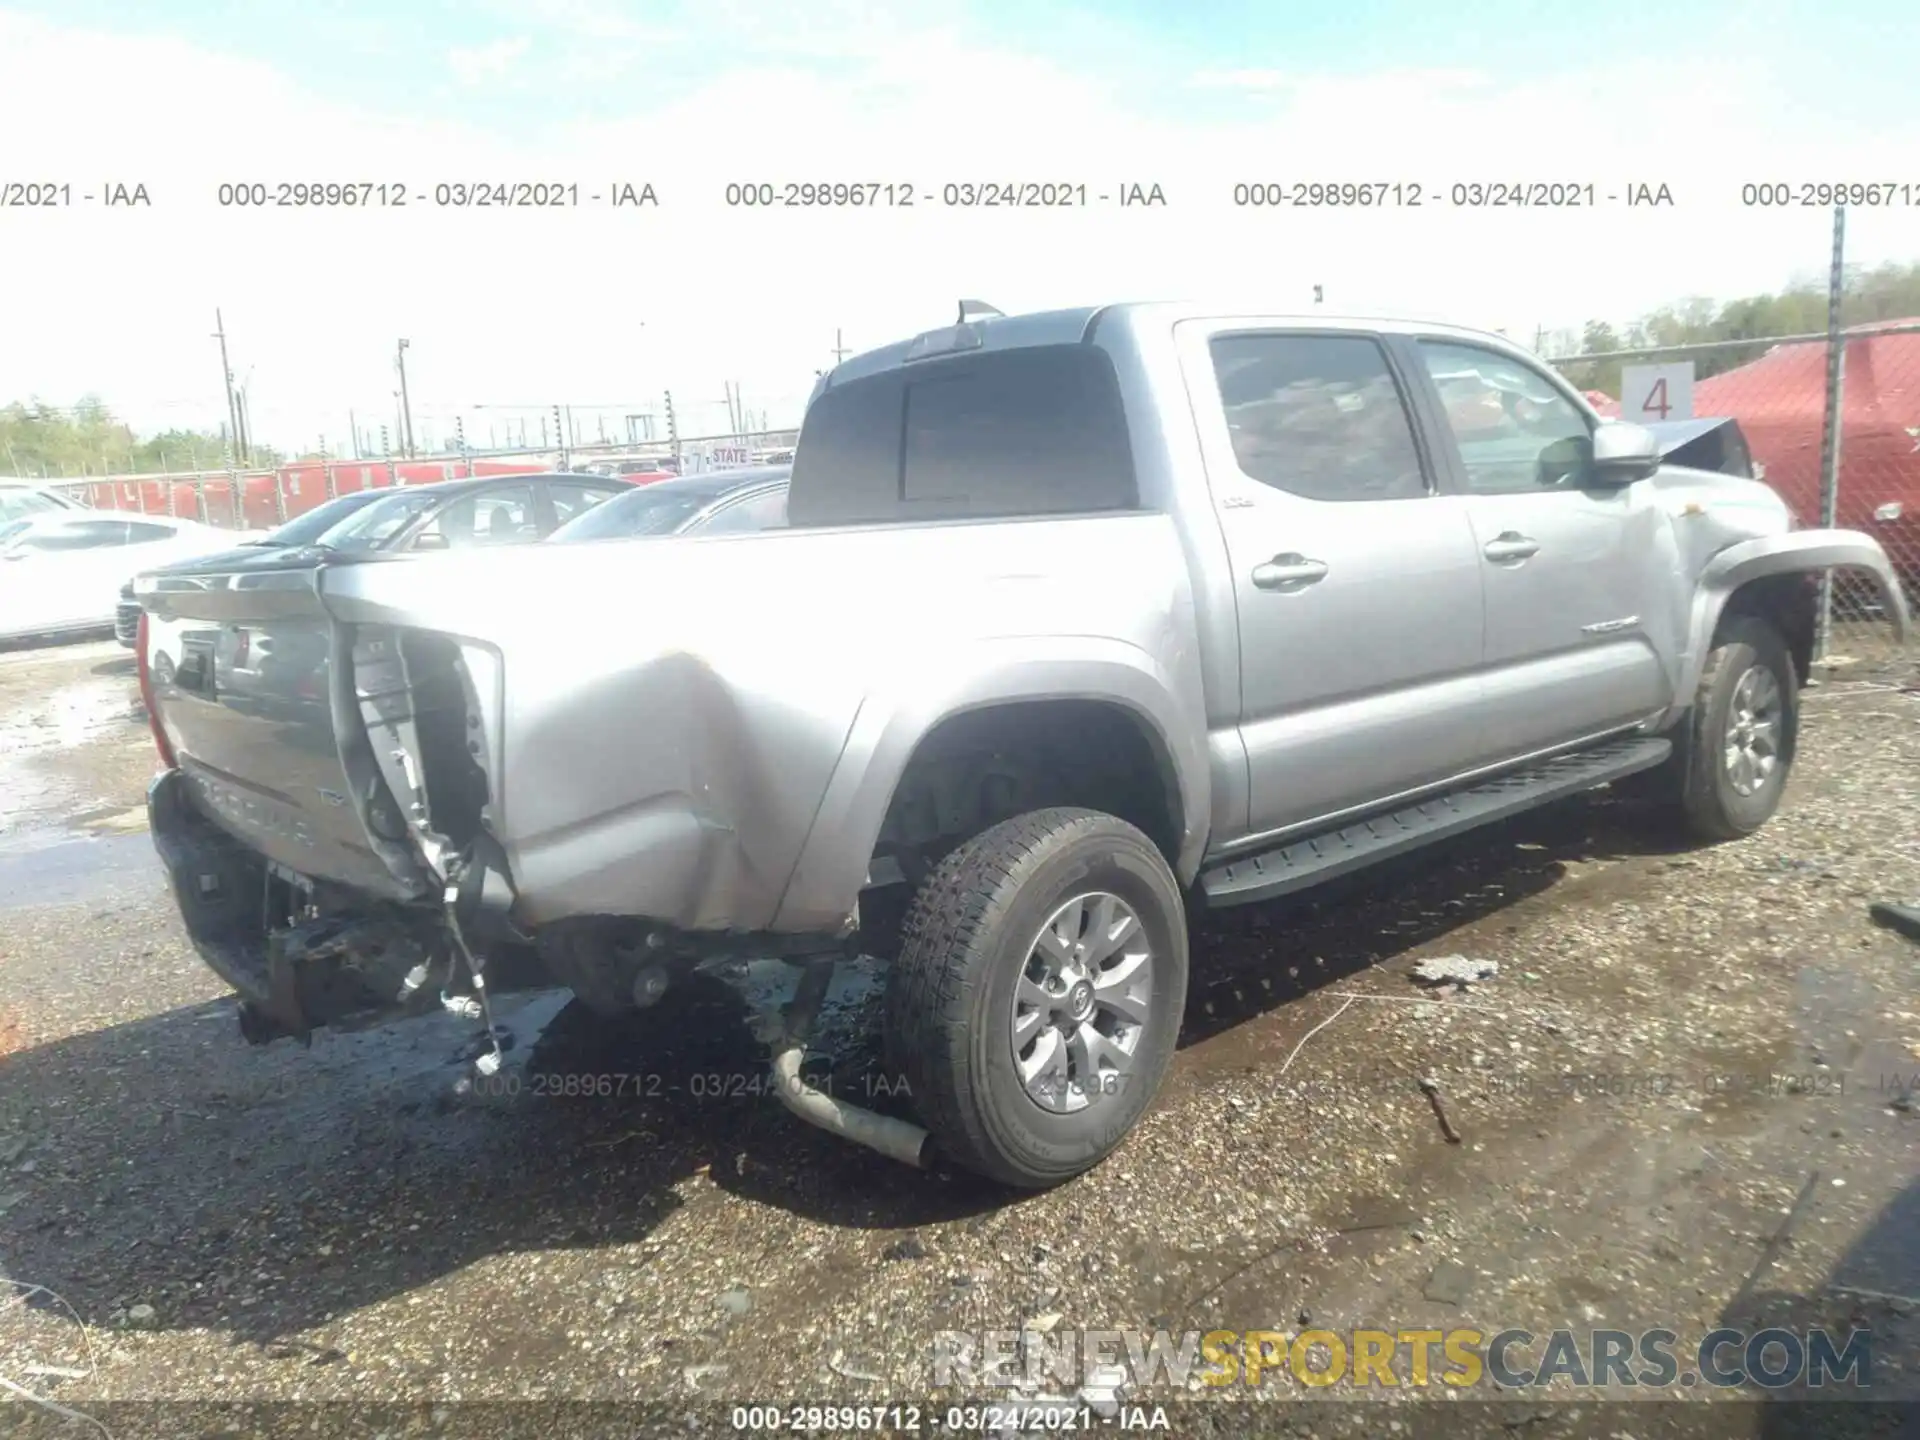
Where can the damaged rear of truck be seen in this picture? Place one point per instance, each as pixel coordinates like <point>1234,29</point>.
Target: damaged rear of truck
<point>393,785</point>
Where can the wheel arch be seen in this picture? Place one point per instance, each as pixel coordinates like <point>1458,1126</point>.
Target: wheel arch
<point>998,690</point>
<point>1773,578</point>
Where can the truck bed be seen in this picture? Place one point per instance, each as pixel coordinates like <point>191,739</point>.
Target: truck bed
<point>657,752</point>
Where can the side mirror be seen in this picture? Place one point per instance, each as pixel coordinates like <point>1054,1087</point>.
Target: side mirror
<point>1623,453</point>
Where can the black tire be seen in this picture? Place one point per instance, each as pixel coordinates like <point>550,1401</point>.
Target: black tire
<point>950,996</point>
<point>1712,807</point>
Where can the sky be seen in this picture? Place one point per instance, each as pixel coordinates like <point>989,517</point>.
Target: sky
<point>606,309</point>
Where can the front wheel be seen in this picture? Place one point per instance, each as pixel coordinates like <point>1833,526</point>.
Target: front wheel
<point>1038,992</point>
<point>1739,738</point>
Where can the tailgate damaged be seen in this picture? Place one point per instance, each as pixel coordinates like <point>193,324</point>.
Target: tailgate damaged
<point>307,952</point>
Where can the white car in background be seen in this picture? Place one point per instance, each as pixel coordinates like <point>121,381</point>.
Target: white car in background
<point>20,499</point>
<point>61,569</point>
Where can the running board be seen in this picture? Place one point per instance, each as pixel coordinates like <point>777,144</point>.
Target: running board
<point>1308,861</point>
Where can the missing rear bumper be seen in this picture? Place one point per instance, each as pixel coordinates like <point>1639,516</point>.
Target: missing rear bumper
<point>304,956</point>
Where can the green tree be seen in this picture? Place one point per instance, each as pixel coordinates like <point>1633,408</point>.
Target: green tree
<point>39,439</point>
<point>1886,292</point>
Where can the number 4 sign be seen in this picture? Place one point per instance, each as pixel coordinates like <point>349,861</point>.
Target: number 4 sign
<point>1657,392</point>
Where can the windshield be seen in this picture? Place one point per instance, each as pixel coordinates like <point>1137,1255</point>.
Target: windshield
<point>372,527</point>
<point>16,503</point>
<point>307,528</point>
<point>656,510</point>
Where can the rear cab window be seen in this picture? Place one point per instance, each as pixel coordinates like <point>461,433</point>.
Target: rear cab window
<point>1031,431</point>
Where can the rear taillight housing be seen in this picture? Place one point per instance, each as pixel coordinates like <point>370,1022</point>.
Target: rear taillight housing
<point>160,741</point>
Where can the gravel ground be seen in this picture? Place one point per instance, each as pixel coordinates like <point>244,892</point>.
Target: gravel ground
<point>1681,1102</point>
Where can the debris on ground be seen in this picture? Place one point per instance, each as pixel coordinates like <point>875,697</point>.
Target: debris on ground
<point>1449,1283</point>
<point>858,1369</point>
<point>1431,1089</point>
<point>1901,919</point>
<point>1455,970</point>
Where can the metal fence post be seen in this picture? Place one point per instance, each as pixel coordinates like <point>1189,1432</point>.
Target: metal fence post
<point>332,480</point>
<point>280,495</point>
<point>200,498</point>
<point>1830,430</point>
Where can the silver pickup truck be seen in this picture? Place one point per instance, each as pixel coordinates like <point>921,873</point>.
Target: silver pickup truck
<point>1080,621</point>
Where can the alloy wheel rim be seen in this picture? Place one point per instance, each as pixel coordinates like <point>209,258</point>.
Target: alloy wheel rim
<point>1082,1003</point>
<point>1752,747</point>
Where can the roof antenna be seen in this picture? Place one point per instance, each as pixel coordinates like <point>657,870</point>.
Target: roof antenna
<point>977,310</point>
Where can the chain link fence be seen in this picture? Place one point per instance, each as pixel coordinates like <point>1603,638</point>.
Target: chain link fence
<point>1833,429</point>
<point>254,499</point>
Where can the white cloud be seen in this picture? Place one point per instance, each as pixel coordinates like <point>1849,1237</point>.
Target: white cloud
<point>487,64</point>
<point>535,307</point>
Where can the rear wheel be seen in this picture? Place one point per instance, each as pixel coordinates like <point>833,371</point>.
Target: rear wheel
<point>1038,992</point>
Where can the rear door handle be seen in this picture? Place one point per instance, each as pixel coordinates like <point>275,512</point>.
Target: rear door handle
<point>1509,546</point>
<point>1289,572</point>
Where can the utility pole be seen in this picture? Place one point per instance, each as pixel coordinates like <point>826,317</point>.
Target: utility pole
<point>226,376</point>
<point>406,405</point>
<point>353,424</point>
<point>245,433</point>
<point>839,350</point>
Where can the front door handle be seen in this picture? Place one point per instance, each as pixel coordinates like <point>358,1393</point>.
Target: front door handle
<point>1509,547</point>
<point>1289,572</point>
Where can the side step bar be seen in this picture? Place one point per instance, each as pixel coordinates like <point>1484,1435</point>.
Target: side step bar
<point>1307,861</point>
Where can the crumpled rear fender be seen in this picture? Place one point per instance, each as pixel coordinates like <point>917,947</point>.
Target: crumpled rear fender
<point>1795,552</point>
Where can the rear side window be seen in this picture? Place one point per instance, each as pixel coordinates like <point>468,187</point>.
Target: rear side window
<point>765,511</point>
<point>1033,431</point>
<point>1318,416</point>
<point>79,535</point>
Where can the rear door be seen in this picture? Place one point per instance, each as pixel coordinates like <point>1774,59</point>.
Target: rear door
<point>1578,578</point>
<point>1356,577</point>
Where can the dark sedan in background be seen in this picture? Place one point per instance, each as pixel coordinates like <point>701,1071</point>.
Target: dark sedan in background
<point>445,515</point>
<point>722,503</point>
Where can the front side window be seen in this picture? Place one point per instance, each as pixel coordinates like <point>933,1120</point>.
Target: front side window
<point>1515,430</point>
<point>502,517</point>
<point>1318,416</point>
